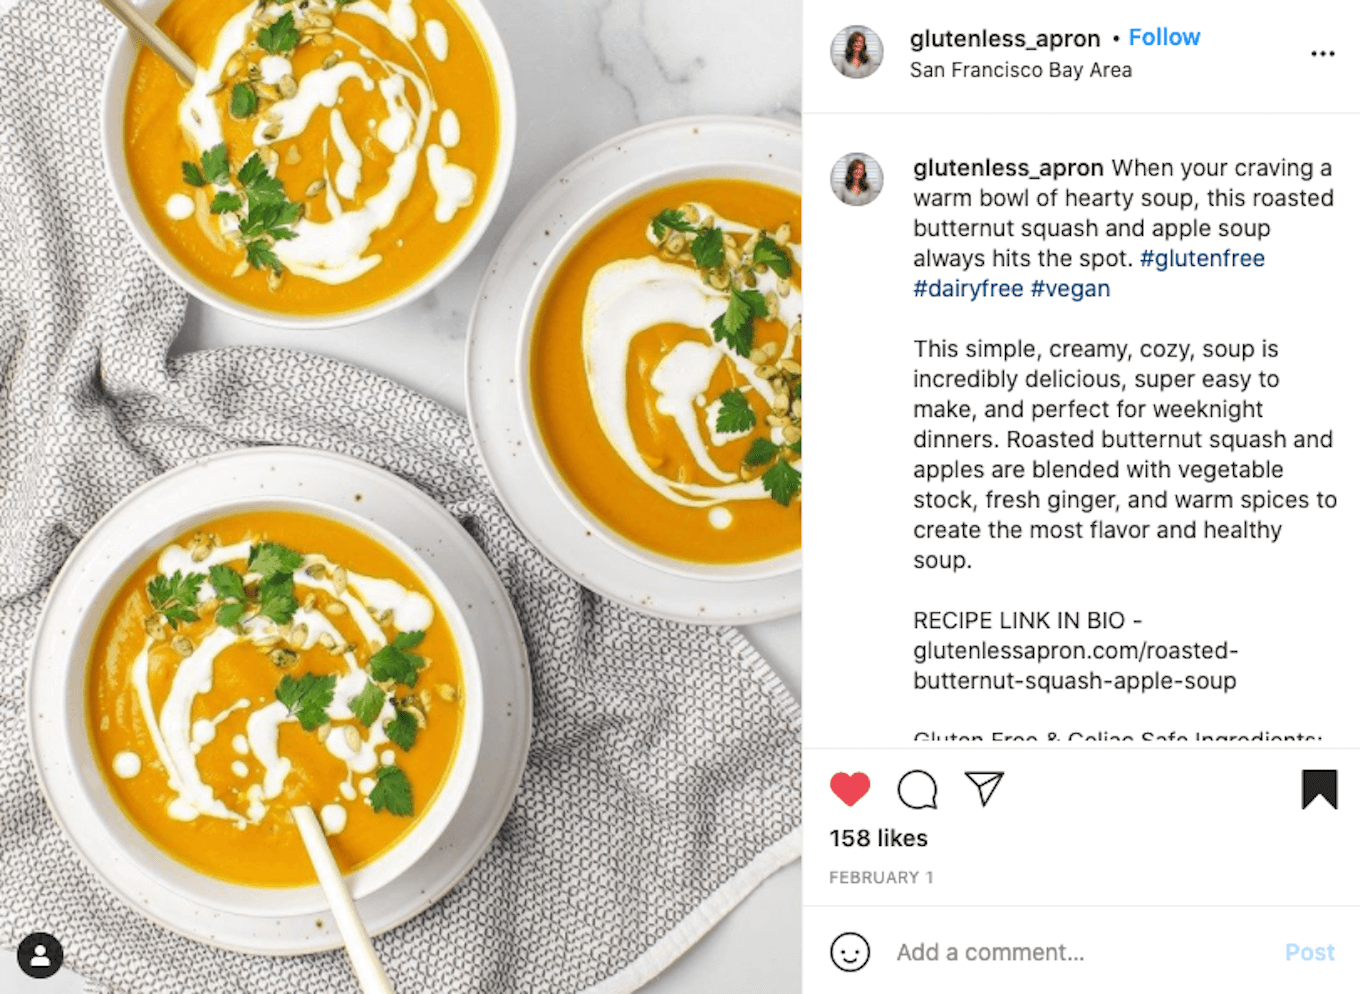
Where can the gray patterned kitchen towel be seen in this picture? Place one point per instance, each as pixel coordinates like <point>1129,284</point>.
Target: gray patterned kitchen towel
<point>663,777</point>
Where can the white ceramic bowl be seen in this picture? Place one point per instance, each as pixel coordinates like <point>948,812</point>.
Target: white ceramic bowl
<point>116,168</point>
<point>758,570</point>
<point>96,801</point>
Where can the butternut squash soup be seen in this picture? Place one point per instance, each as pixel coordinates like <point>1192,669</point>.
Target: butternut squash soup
<point>329,154</point>
<point>264,661</point>
<point>665,371</point>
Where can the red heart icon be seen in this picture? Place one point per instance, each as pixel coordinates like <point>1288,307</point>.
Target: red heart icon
<point>850,787</point>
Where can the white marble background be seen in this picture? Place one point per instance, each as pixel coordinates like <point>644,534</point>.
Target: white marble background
<point>586,70</point>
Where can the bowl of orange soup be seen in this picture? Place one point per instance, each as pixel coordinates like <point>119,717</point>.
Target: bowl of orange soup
<point>268,654</point>
<point>332,159</point>
<point>660,371</point>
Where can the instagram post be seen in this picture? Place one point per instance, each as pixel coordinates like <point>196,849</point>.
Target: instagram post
<point>389,601</point>
<point>402,495</point>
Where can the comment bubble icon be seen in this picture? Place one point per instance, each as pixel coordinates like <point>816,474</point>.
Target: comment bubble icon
<point>917,790</point>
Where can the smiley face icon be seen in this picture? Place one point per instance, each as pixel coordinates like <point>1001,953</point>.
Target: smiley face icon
<point>850,951</point>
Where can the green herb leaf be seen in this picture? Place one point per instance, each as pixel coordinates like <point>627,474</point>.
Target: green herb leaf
<point>735,414</point>
<point>392,792</point>
<point>277,600</point>
<point>229,615</point>
<point>243,101</point>
<point>768,252</point>
<point>369,703</point>
<point>307,698</point>
<point>393,662</point>
<point>402,730</point>
<point>227,583</point>
<point>762,451</point>
<point>670,218</point>
<point>782,481</point>
<point>734,326</point>
<point>707,248</point>
<point>225,203</point>
<point>253,171</point>
<point>269,558</point>
<point>175,596</point>
<point>215,166</point>
<point>192,174</point>
<point>260,254</point>
<point>280,36</point>
<point>797,448</point>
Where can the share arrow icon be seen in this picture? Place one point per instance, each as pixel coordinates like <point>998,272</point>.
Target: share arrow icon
<point>986,784</point>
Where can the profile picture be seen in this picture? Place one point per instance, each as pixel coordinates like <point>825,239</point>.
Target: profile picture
<point>856,52</point>
<point>856,179</point>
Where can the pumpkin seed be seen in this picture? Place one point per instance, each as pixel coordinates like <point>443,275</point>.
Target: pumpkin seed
<point>234,65</point>
<point>274,280</point>
<point>287,87</point>
<point>241,269</point>
<point>353,739</point>
<point>792,434</point>
<point>315,187</point>
<point>330,61</point>
<point>283,658</point>
<point>183,645</point>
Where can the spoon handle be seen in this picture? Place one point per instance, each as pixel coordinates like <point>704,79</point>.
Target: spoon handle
<point>152,37</point>
<point>367,968</point>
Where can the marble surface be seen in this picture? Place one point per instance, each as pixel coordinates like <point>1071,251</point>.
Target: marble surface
<point>586,70</point>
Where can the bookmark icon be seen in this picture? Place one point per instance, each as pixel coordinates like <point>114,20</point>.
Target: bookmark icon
<point>986,784</point>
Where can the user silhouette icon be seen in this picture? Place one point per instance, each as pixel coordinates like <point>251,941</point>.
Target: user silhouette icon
<point>40,955</point>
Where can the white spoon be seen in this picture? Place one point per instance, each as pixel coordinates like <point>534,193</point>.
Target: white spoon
<point>153,38</point>
<point>372,977</point>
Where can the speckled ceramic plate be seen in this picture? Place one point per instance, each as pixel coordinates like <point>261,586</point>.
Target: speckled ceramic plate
<point>729,145</point>
<point>56,701</point>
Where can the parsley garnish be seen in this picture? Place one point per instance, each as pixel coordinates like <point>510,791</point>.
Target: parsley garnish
<point>402,730</point>
<point>392,792</point>
<point>243,101</point>
<point>269,214</point>
<point>231,590</point>
<point>670,218</point>
<point>735,414</point>
<point>225,203</point>
<point>175,596</point>
<point>734,325</point>
<point>212,167</point>
<point>368,704</point>
<point>270,558</point>
<point>307,698</point>
<point>260,254</point>
<point>782,481</point>
<point>280,36</point>
<point>762,451</point>
<point>278,603</point>
<point>707,248</point>
<point>393,662</point>
<point>769,252</point>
